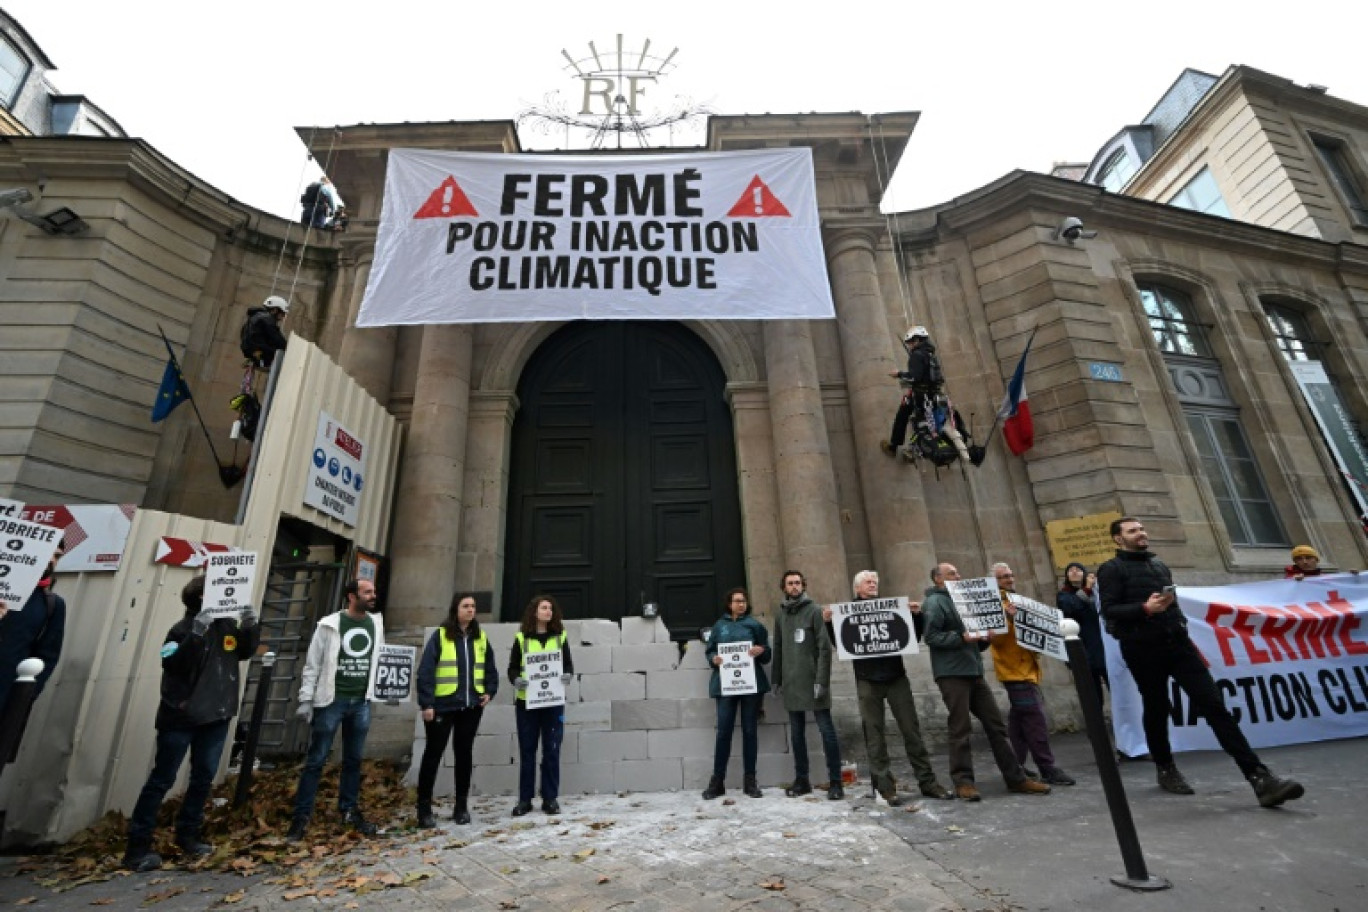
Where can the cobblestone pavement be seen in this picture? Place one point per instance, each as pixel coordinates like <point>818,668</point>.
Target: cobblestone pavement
<point>673,851</point>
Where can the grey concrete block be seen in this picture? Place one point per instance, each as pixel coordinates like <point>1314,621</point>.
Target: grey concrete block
<point>590,715</point>
<point>498,719</point>
<point>594,688</point>
<point>695,655</point>
<point>592,659</point>
<point>648,775</point>
<point>609,747</point>
<point>599,633</point>
<point>637,631</point>
<point>677,685</point>
<point>487,780</point>
<point>685,742</point>
<point>570,742</point>
<point>697,713</point>
<point>645,714</point>
<point>595,778</point>
<point>572,631</point>
<point>645,657</point>
<point>500,637</point>
<point>491,750</point>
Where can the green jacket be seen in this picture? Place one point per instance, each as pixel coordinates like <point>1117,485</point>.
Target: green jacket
<point>742,630</point>
<point>802,655</point>
<point>951,657</point>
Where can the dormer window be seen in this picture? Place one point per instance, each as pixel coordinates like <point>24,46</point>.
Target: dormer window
<point>1117,171</point>
<point>14,66</point>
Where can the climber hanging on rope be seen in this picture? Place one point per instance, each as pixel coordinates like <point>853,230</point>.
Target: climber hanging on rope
<point>939,434</point>
<point>261,334</point>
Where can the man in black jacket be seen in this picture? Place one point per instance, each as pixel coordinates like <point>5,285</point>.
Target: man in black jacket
<point>883,680</point>
<point>199,697</point>
<point>1141,610</point>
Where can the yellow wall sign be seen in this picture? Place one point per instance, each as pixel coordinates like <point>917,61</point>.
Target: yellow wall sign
<point>1084,539</point>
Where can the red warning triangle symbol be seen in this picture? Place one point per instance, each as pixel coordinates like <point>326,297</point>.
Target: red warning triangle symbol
<point>758,201</point>
<point>447,201</point>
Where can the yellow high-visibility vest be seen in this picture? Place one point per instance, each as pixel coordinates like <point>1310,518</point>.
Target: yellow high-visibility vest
<point>448,667</point>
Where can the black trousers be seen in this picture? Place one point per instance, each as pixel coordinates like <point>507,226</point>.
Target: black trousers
<point>1152,665</point>
<point>459,728</point>
<point>913,407</point>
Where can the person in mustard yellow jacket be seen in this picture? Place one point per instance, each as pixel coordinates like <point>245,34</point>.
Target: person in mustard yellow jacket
<point>1019,671</point>
<point>457,677</point>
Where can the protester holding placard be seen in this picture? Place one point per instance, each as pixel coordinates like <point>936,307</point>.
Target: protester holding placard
<point>335,691</point>
<point>1075,600</point>
<point>542,631</point>
<point>957,666</point>
<point>1140,606</point>
<point>200,688</point>
<point>736,626</point>
<point>1305,562</point>
<point>35,631</point>
<point>880,680</point>
<point>1018,670</point>
<point>457,677</point>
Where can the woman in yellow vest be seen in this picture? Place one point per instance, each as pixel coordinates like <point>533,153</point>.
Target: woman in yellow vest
<point>542,631</point>
<point>457,676</point>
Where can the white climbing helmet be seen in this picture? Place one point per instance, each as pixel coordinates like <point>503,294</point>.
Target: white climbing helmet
<point>916,332</point>
<point>276,302</point>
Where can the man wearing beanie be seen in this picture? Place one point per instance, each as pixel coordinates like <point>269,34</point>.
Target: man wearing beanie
<point>1305,562</point>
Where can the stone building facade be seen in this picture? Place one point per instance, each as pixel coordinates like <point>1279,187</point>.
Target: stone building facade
<point>1196,426</point>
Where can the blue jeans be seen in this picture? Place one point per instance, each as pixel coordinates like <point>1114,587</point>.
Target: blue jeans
<point>205,746</point>
<point>354,718</point>
<point>830,746</point>
<point>726,722</point>
<point>546,725</point>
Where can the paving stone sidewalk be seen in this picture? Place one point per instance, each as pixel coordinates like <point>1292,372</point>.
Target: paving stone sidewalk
<point>672,851</point>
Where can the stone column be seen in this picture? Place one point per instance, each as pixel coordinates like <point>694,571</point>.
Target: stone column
<point>809,509</point>
<point>899,528</point>
<point>755,468</point>
<point>485,521</point>
<point>367,354</point>
<point>428,504</point>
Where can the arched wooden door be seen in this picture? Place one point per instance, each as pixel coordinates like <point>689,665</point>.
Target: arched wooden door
<point>623,483</point>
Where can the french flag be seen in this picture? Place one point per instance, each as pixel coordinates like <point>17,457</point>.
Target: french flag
<point>1017,428</point>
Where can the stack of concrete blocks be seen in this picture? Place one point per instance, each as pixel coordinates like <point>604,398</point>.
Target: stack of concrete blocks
<point>637,718</point>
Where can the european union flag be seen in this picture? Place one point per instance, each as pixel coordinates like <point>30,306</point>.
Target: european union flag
<point>173,390</point>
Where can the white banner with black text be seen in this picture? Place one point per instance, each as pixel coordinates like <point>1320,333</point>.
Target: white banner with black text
<point>470,237</point>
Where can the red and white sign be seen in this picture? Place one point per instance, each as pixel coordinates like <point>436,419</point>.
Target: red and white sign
<point>181,552</point>
<point>485,238</point>
<point>95,534</point>
<point>336,471</point>
<point>1290,658</point>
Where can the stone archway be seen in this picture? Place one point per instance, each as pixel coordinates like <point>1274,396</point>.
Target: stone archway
<point>623,476</point>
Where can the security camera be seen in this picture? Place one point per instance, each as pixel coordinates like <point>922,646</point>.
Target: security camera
<point>1071,230</point>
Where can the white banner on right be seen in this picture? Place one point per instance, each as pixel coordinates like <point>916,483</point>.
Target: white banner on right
<point>1291,658</point>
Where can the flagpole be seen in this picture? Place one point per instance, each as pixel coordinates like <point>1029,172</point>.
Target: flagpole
<point>190,396</point>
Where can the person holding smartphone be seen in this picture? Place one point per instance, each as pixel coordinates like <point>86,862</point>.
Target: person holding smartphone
<point>1140,608</point>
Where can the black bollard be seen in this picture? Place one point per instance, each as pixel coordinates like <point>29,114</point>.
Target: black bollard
<point>247,761</point>
<point>1137,876</point>
<point>14,715</point>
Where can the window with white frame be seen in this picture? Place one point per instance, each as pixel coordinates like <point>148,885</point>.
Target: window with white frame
<point>1170,320</point>
<point>1202,194</point>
